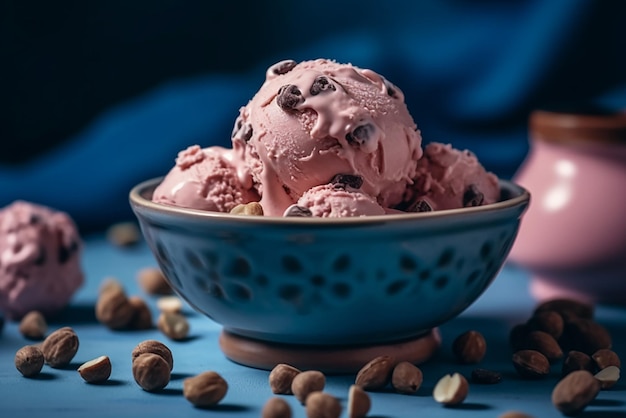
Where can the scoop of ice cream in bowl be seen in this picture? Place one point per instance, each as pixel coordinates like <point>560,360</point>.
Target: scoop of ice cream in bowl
<point>367,240</point>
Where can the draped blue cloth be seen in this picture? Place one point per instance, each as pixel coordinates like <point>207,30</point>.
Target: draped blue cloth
<point>471,71</point>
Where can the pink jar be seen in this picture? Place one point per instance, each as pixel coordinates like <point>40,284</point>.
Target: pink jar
<point>573,236</point>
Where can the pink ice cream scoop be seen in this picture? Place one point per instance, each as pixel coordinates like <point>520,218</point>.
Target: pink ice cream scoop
<point>339,199</point>
<point>448,178</point>
<point>312,120</point>
<point>204,179</point>
<point>40,259</point>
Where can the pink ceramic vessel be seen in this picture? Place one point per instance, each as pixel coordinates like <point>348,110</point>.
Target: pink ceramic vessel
<point>573,237</point>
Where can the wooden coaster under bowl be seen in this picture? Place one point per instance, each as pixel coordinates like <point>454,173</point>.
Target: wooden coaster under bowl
<point>327,359</point>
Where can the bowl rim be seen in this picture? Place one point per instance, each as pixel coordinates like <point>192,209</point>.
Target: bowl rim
<point>137,200</point>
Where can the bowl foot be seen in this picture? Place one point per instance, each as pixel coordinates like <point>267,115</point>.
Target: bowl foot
<point>332,360</point>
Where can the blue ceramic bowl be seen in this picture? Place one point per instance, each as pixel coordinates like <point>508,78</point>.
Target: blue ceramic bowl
<point>321,281</point>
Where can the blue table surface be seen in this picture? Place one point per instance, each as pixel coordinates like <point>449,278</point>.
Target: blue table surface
<point>62,393</point>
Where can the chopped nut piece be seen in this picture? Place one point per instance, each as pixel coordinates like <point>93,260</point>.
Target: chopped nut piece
<point>173,325</point>
<point>608,377</point>
<point>359,402</point>
<point>172,304</point>
<point>452,389</point>
<point>97,370</point>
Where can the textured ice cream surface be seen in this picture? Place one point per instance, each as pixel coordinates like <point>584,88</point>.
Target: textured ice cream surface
<point>338,200</point>
<point>205,179</point>
<point>312,120</point>
<point>448,178</point>
<point>40,259</point>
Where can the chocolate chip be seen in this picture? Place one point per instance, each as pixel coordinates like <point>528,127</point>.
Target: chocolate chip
<point>41,258</point>
<point>360,134</point>
<point>237,127</point>
<point>419,206</point>
<point>391,89</point>
<point>348,180</point>
<point>282,67</point>
<point>34,219</point>
<point>242,130</point>
<point>289,96</point>
<point>485,376</point>
<point>298,211</point>
<point>65,252</point>
<point>320,85</point>
<point>472,196</point>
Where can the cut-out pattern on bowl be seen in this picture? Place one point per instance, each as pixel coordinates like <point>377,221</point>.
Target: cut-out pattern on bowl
<point>316,282</point>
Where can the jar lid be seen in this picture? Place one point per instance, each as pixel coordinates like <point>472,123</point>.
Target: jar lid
<point>595,125</point>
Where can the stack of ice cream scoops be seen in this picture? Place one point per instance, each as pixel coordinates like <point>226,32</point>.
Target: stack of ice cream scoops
<point>325,139</point>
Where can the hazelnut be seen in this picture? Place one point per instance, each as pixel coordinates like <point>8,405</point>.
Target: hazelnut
<point>142,316</point>
<point>531,364</point>
<point>110,284</point>
<point>281,377</point>
<point>574,392</point>
<point>97,370</point>
<point>154,347</point>
<point>173,325</point>
<point>307,382</point>
<point>451,389</point>
<point>60,347</point>
<point>359,402</point>
<point>406,377</point>
<point>469,347</point>
<point>252,208</point>
<point>604,358</point>
<point>29,360</point>
<point>576,360</point>
<point>585,335</point>
<point>172,304</point>
<point>545,344</point>
<point>322,405</point>
<point>33,325</point>
<point>151,372</point>
<point>547,321</point>
<point>376,374</point>
<point>123,234</point>
<point>608,377</point>
<point>276,407</point>
<point>205,389</point>
<point>153,281</point>
<point>113,309</point>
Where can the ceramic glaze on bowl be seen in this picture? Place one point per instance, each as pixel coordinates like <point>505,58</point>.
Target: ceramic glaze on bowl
<point>320,281</point>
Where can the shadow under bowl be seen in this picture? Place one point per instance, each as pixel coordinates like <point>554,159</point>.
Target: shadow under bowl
<point>330,282</point>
